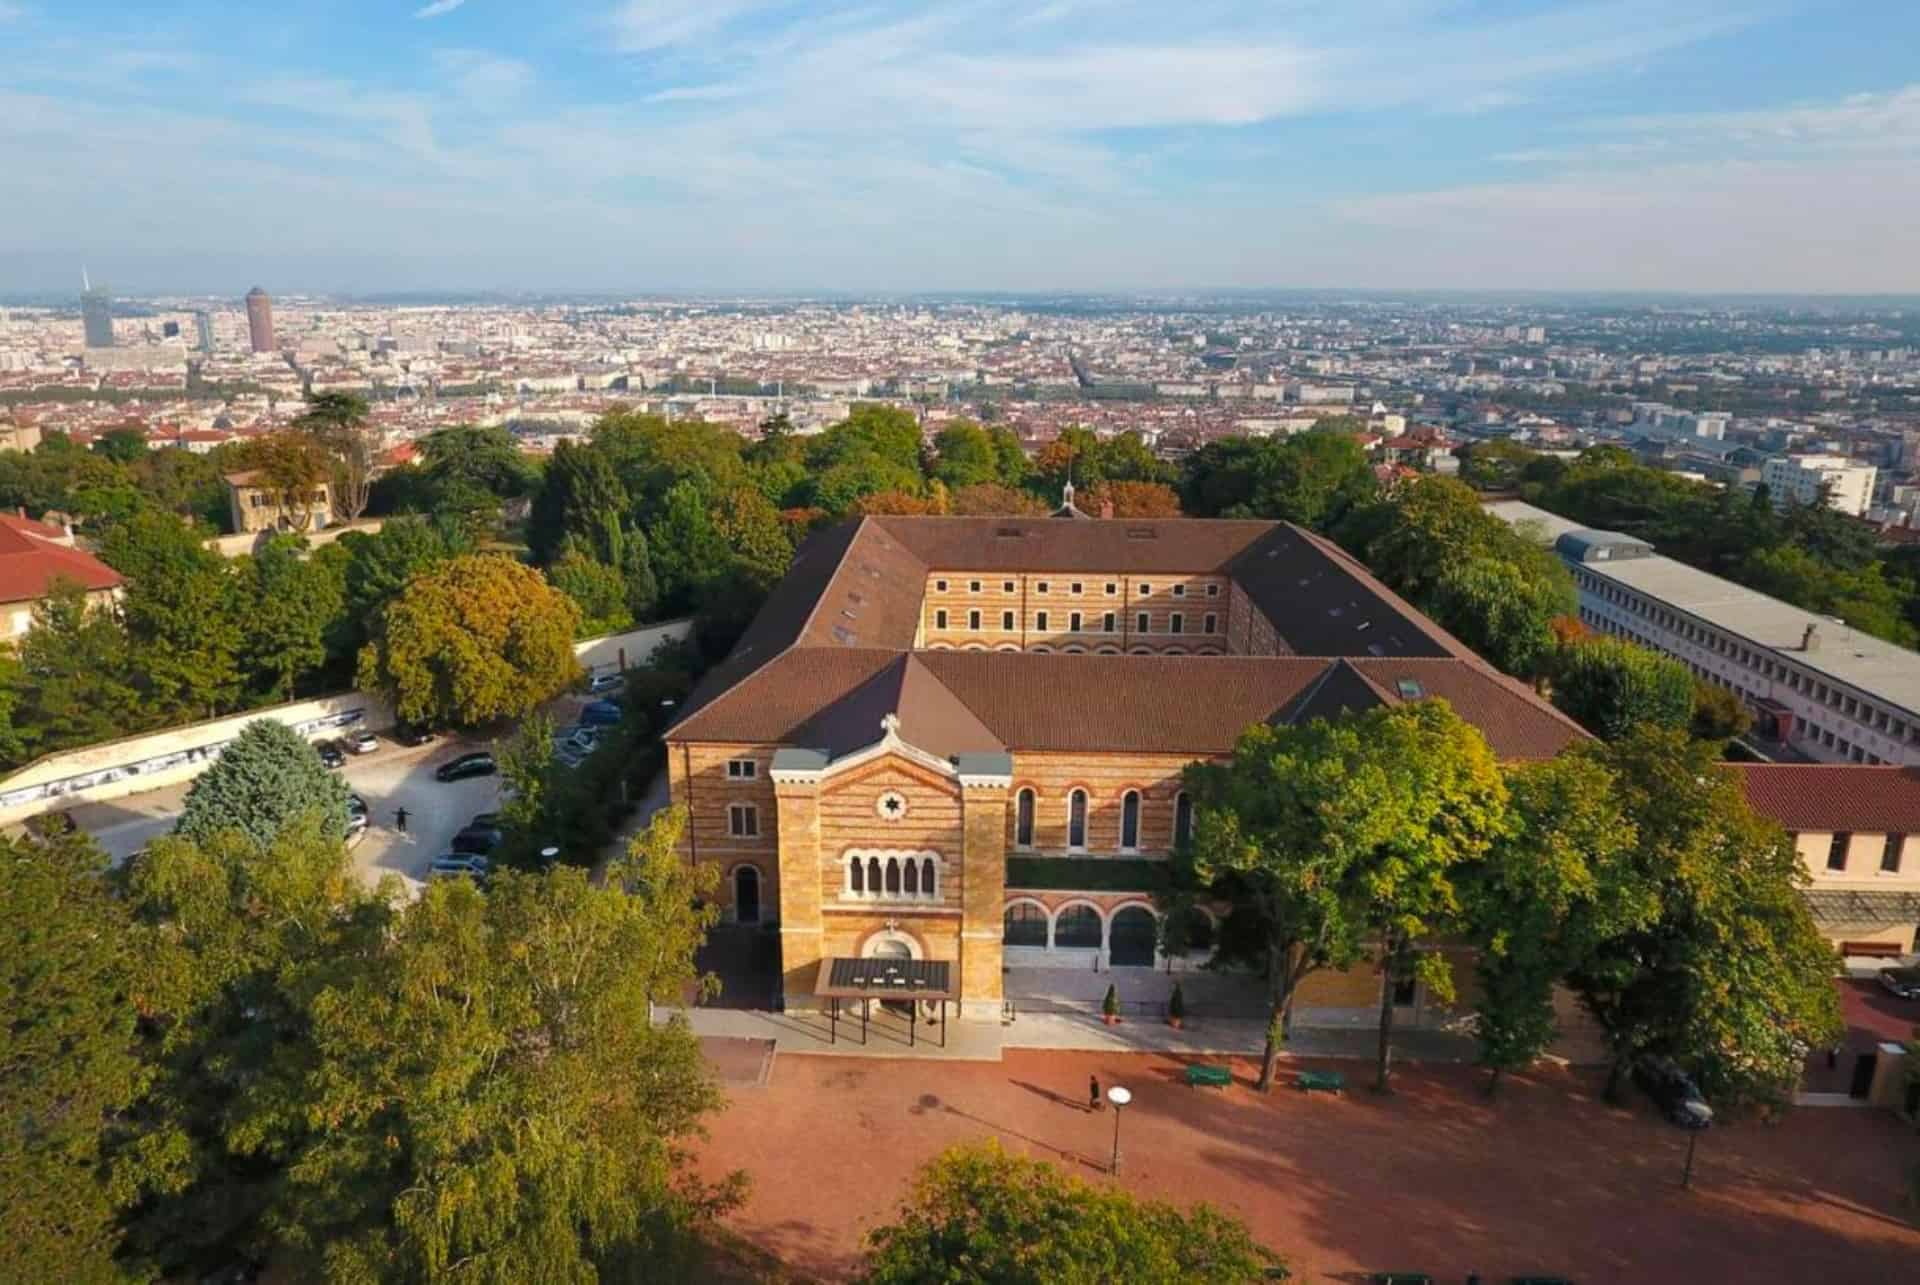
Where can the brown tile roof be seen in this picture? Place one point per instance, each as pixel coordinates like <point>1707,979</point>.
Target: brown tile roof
<point>1516,723</point>
<point>931,716</point>
<point>773,701</point>
<point>1154,545</point>
<point>1834,796</point>
<point>1323,602</point>
<point>29,566</point>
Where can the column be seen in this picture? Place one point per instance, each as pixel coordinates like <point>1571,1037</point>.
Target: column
<point>983,887</point>
<point>797,801</point>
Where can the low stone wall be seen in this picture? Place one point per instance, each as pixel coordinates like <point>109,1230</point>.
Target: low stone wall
<point>233,546</point>
<point>616,652</point>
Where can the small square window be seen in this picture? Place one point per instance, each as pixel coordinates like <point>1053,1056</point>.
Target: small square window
<point>1213,591</point>
<point>742,769</point>
<point>1112,588</point>
<point>1146,591</point>
<point>1006,586</point>
<point>1179,591</point>
<point>973,586</point>
<point>1042,587</point>
<point>940,586</point>
<point>1074,588</point>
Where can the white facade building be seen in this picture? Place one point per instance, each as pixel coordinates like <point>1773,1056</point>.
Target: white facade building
<point>1797,479</point>
<point>1815,686</point>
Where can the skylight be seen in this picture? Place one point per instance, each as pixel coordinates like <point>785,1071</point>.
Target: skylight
<point>1409,689</point>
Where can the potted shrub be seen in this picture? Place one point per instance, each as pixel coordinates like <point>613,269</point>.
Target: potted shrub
<point>1176,1008</point>
<point>1110,1007</point>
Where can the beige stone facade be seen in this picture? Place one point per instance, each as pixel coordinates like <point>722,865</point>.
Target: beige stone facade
<point>1109,612</point>
<point>1867,865</point>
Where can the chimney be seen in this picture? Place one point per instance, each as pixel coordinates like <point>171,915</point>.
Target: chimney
<point>1106,508</point>
<point>1810,640</point>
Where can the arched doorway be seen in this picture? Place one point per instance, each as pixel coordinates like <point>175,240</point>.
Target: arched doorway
<point>1131,938</point>
<point>746,895</point>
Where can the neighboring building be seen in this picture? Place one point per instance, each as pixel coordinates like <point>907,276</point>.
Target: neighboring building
<point>1858,831</point>
<point>18,437</point>
<point>1798,479</point>
<point>961,739</point>
<point>36,556</point>
<point>96,314</point>
<point>1817,688</point>
<point>260,320</point>
<point>255,507</point>
<point>203,332</point>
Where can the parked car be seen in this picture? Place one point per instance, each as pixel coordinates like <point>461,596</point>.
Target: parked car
<point>363,742</point>
<point>456,865</point>
<point>411,735</point>
<point>1904,982</point>
<point>355,804</point>
<point>477,840</point>
<point>490,820</point>
<point>331,755</point>
<point>356,824</point>
<point>568,755</point>
<point>478,763</point>
<point>601,684</point>
<point>1673,1091</point>
<point>602,714</point>
<point>580,737</point>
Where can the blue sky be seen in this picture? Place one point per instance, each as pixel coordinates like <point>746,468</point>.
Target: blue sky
<point>1052,144</point>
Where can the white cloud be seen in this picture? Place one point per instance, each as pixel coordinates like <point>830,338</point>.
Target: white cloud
<point>643,25</point>
<point>437,8</point>
<point>11,12</point>
<point>483,78</point>
<point>696,93</point>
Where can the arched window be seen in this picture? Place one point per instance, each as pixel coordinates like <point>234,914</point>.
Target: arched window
<point>1023,820</point>
<point>873,876</point>
<point>1024,925</point>
<point>893,876</point>
<point>1077,819</point>
<point>1182,818</point>
<point>929,887</point>
<point>913,878</point>
<point>857,877</point>
<point>1130,819</point>
<point>1077,926</point>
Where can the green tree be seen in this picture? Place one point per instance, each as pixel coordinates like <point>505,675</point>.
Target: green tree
<point>266,779</point>
<point>1314,479</point>
<point>466,461</point>
<point>294,604</point>
<point>71,1072</point>
<point>290,467</point>
<point>598,590</point>
<point>77,673</point>
<point>1010,455</point>
<point>1555,885</point>
<point>752,530</point>
<point>182,611</point>
<point>1503,610</point>
<point>964,456</point>
<point>976,1214</point>
<point>651,456</point>
<point>576,498</point>
<point>1608,685</point>
<point>122,445</point>
<point>338,422</point>
<point>476,638</point>
<point>380,564</point>
<point>688,554</point>
<point>1732,979</point>
<point>1718,714</point>
<point>994,499</point>
<point>496,1095</point>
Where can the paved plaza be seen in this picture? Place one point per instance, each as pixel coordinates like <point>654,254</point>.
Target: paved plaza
<point>1545,1179</point>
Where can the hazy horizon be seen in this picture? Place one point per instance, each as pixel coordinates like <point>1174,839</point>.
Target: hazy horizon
<point>1107,146</point>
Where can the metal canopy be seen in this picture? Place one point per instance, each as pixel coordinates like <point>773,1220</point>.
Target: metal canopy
<point>885,978</point>
<point>1840,906</point>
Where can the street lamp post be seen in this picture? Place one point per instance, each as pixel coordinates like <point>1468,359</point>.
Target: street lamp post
<point>1119,1096</point>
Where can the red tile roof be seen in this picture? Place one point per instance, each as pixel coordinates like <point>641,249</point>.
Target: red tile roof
<point>30,565</point>
<point>1835,796</point>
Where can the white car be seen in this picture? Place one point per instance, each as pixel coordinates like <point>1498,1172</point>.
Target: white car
<point>601,684</point>
<point>363,742</point>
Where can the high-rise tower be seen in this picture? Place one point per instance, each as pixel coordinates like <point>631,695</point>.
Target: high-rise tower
<point>96,313</point>
<point>260,319</point>
<point>203,328</point>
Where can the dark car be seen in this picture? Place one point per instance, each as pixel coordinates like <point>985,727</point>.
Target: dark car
<point>488,820</point>
<point>356,804</point>
<point>478,840</point>
<point>478,763</point>
<point>601,714</point>
<point>331,755</point>
<point>1904,982</point>
<point>454,865</point>
<point>410,735</point>
<point>1673,1091</point>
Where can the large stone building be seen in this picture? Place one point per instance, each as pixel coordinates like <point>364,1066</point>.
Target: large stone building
<point>961,739</point>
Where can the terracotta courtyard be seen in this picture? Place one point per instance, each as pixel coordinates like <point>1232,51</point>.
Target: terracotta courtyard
<point>1545,1179</point>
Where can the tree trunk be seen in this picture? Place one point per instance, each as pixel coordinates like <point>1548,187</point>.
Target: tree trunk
<point>1611,1093</point>
<point>1280,996</point>
<point>1380,1084</point>
<point>1493,1083</point>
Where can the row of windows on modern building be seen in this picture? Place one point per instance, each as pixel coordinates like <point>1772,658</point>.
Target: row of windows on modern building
<point>1076,587</point>
<point>1760,660</point>
<point>1076,622</point>
<point>1808,730</point>
<point>1892,851</point>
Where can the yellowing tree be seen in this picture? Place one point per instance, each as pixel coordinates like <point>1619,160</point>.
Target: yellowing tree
<point>476,638</point>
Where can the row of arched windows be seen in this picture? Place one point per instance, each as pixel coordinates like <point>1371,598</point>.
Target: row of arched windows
<point>1027,801</point>
<point>1131,935</point>
<point>892,876</point>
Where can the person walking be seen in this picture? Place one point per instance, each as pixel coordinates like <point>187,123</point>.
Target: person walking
<point>1093,1093</point>
<point>400,820</point>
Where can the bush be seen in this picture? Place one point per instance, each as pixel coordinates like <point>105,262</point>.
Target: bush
<point>1110,1006</point>
<point>1176,1003</point>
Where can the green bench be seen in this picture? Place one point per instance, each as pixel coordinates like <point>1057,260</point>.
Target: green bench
<point>1323,1081</point>
<point>1213,1077</point>
<point>1400,1278</point>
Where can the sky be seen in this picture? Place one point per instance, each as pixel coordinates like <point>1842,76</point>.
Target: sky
<point>978,145</point>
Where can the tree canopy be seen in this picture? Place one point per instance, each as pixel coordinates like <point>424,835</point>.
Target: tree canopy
<point>266,779</point>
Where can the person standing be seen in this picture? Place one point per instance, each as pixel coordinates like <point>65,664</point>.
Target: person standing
<point>1093,1093</point>
<point>400,820</point>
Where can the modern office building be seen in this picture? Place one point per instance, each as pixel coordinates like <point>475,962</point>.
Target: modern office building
<point>203,331</point>
<point>1798,479</point>
<point>1818,689</point>
<point>260,320</point>
<point>96,313</point>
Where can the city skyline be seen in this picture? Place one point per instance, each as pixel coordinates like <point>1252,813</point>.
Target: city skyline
<point>731,146</point>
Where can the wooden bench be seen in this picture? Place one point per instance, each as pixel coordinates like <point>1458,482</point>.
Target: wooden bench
<point>1213,1077</point>
<point>1323,1081</point>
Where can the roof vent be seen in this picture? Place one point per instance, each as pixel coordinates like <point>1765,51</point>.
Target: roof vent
<point>1375,649</point>
<point>843,635</point>
<point>1336,612</point>
<point>1409,689</point>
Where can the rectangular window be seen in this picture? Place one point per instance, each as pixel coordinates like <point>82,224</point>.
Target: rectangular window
<point>939,620</point>
<point>742,769</point>
<point>743,821</point>
<point>1107,623</point>
<point>973,619</point>
<point>1073,622</point>
<point>1837,851</point>
<point>1179,591</point>
<point>1040,621</point>
<point>1176,623</point>
<point>1006,621</point>
<point>1208,625</point>
<point>940,586</point>
<point>1891,853</point>
<point>1112,588</point>
<point>1146,591</point>
<point>1042,587</point>
<point>1074,588</point>
<point>1140,623</point>
<point>1213,591</point>
<point>973,586</point>
<point>1006,586</point>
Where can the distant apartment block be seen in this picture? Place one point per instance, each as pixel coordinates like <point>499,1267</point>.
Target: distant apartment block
<point>1818,689</point>
<point>260,320</point>
<point>1798,479</point>
<point>96,316</point>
